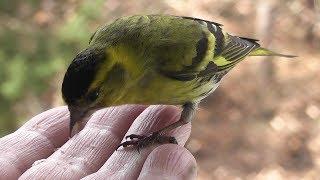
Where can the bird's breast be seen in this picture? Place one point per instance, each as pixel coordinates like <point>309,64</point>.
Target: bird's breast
<point>154,88</point>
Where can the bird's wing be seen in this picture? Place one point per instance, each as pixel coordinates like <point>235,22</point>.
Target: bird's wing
<point>235,49</point>
<point>227,51</point>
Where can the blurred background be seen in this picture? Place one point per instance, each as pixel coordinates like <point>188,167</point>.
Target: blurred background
<point>262,123</point>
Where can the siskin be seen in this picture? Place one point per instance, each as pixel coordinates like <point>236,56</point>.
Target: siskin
<point>153,59</point>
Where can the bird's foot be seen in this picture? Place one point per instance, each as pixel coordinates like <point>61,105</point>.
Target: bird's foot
<point>141,141</point>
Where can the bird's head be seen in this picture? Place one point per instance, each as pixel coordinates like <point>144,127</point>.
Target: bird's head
<point>91,82</point>
<point>77,88</point>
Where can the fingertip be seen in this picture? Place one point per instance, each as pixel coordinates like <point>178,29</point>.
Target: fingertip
<point>169,161</point>
<point>154,118</point>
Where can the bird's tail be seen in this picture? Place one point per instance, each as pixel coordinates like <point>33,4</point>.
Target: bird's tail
<point>266,52</point>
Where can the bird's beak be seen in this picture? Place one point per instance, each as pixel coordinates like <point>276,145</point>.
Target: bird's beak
<point>77,115</point>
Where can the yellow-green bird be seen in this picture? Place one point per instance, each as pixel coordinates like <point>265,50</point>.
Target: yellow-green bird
<point>153,59</point>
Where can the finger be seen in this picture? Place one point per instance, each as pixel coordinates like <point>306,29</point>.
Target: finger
<point>169,161</point>
<point>86,152</point>
<point>35,140</point>
<point>127,163</point>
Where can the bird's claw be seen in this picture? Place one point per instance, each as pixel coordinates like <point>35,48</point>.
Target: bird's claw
<point>135,136</point>
<point>141,141</point>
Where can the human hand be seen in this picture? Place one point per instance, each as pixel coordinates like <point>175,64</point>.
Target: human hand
<point>32,151</point>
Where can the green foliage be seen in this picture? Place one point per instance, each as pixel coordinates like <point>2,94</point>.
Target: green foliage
<point>32,54</point>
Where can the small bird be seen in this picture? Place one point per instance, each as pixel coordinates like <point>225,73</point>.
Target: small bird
<point>153,59</point>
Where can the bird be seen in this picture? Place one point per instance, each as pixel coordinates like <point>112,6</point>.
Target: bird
<point>153,59</point>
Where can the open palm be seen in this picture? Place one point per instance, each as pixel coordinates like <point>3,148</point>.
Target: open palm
<point>41,148</point>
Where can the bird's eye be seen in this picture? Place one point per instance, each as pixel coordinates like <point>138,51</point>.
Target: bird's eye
<point>93,95</point>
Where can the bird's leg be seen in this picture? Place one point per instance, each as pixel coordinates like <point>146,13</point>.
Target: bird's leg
<point>187,115</point>
<point>141,141</point>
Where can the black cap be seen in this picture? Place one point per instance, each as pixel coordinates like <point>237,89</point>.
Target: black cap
<point>80,74</point>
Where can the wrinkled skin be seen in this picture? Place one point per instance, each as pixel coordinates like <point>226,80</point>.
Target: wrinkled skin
<point>41,148</point>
